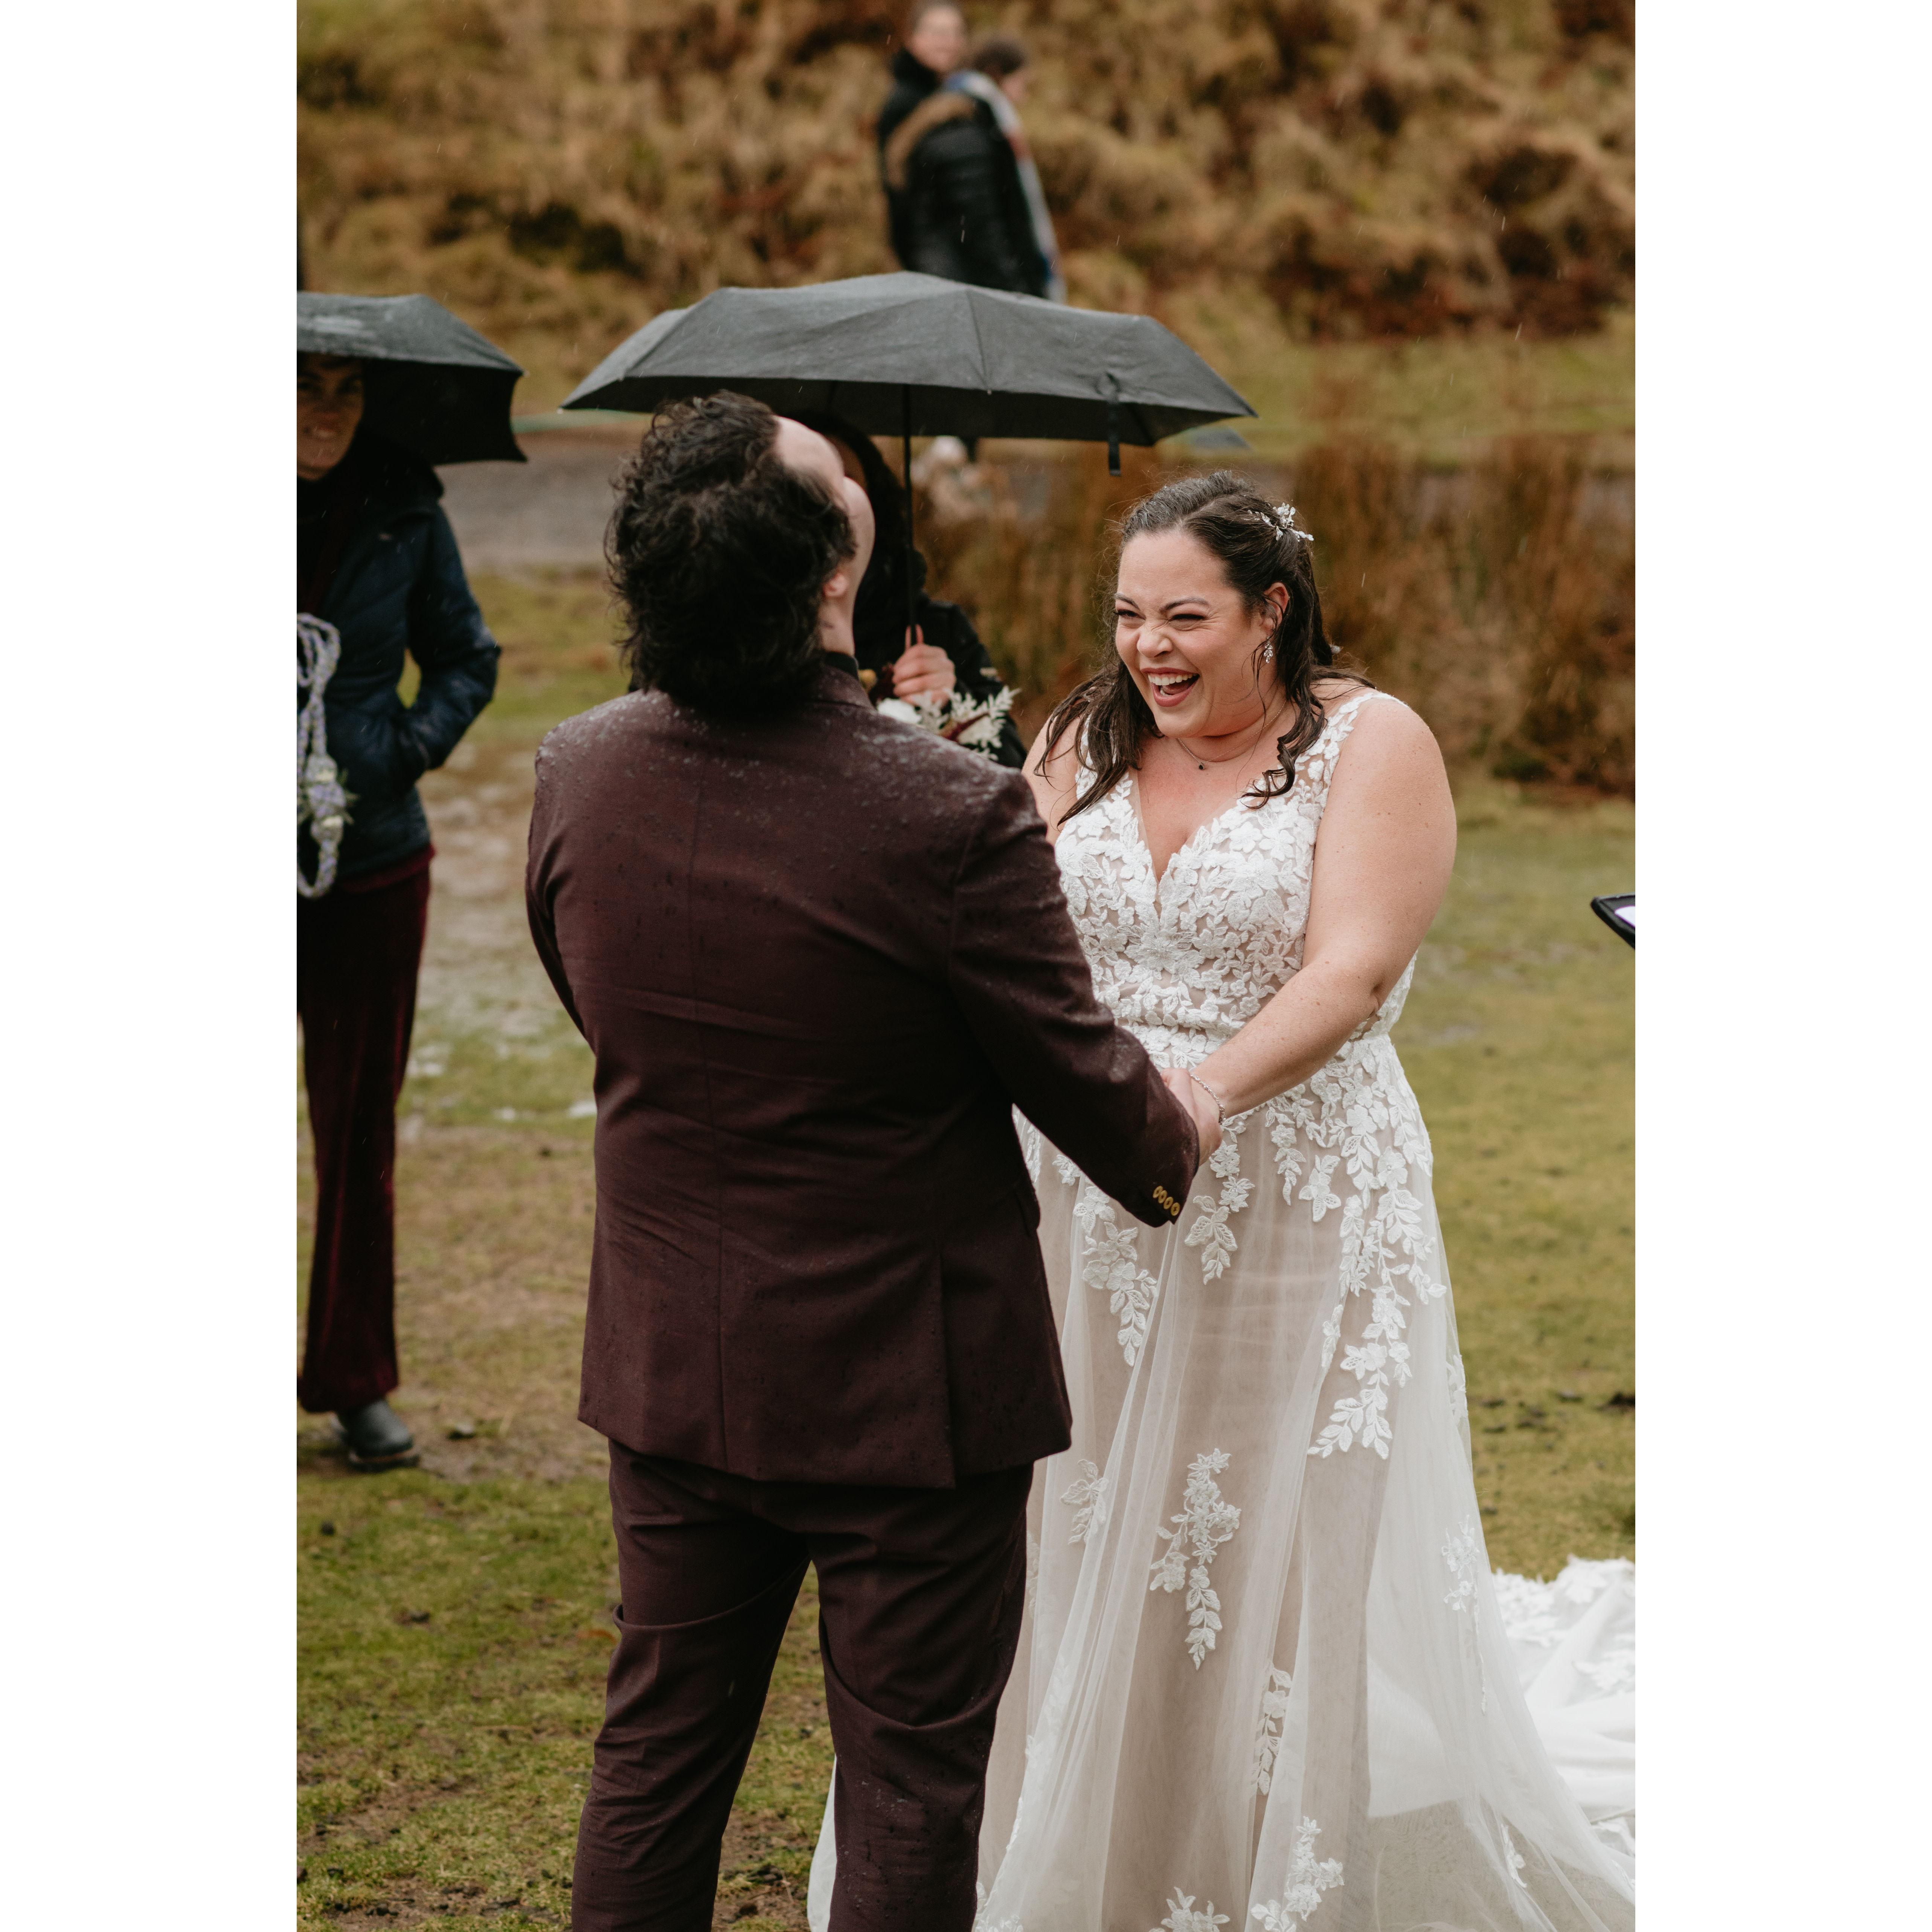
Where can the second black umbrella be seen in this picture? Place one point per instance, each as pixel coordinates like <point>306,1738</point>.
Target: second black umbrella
<point>433,385</point>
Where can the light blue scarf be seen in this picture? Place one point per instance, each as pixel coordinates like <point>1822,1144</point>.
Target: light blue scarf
<point>968,81</point>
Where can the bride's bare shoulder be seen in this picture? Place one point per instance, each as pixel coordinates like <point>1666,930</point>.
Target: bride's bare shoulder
<point>1383,719</point>
<point>1333,693</point>
<point>1389,751</point>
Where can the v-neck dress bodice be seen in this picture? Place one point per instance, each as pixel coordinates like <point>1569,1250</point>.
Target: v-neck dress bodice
<point>1186,961</point>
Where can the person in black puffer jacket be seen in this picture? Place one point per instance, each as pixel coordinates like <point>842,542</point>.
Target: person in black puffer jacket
<point>947,654</point>
<point>935,44</point>
<point>960,208</point>
<point>376,559</point>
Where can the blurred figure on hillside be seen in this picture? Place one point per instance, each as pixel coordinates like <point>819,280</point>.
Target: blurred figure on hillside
<point>997,75</point>
<point>958,207</point>
<point>947,655</point>
<point>935,44</point>
<point>377,576</point>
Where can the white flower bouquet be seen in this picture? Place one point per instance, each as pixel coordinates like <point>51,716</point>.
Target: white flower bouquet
<point>972,722</point>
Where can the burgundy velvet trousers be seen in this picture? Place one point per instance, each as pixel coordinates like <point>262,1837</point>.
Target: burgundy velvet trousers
<point>356,957</point>
<point>920,1593</point>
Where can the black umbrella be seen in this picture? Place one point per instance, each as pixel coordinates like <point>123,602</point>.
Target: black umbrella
<point>910,356</point>
<point>430,383</point>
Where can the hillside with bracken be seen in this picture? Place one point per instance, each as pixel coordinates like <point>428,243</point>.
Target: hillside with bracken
<point>557,170</point>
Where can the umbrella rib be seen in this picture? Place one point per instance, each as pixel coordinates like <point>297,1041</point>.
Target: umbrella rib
<point>973,312</point>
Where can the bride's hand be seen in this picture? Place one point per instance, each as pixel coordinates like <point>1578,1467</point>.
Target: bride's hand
<point>925,671</point>
<point>1207,1119</point>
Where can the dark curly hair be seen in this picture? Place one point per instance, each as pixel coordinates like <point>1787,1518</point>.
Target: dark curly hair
<point>1237,525</point>
<point>719,553</point>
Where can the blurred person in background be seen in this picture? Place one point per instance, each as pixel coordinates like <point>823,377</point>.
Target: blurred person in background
<point>958,207</point>
<point>935,44</point>
<point>947,655</point>
<point>997,75</point>
<point>376,563</point>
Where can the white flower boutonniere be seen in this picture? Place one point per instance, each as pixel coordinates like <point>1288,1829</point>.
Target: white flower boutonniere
<point>970,721</point>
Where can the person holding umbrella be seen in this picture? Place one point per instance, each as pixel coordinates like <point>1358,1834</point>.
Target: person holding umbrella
<point>945,656</point>
<point>378,576</point>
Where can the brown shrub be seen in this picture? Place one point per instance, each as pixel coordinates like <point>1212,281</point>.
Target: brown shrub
<point>559,169</point>
<point>1497,599</point>
<point>1579,19</point>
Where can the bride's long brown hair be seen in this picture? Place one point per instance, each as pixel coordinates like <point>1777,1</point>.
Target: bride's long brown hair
<point>1240,529</point>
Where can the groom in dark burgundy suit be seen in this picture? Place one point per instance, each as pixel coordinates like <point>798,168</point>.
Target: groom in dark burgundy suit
<point>821,956</point>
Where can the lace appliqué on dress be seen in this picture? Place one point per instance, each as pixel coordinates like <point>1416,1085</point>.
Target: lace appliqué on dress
<point>1032,1144</point>
<point>1462,1553</point>
<point>1544,1614</point>
<point>1088,1498</point>
<point>1110,1265</point>
<point>1268,1726</point>
<point>1181,1916</point>
<point>1614,1672</point>
<point>1515,1859</point>
<point>1210,1232</point>
<point>1360,1106</point>
<point>1532,1611</point>
<point>1459,1550</point>
<point>1308,1878</point>
<point>1203,1522</point>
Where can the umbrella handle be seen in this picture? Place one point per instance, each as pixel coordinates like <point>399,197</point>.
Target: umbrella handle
<point>1113,423</point>
<point>905,451</point>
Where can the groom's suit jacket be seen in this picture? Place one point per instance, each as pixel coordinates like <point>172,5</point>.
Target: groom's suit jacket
<point>820,958</point>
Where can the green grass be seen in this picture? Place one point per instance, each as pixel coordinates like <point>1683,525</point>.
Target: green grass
<point>455,1623</point>
<point>1518,1038</point>
<point>455,1639</point>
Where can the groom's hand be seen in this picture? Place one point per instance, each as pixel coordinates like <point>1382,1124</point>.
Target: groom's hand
<point>1207,1120</point>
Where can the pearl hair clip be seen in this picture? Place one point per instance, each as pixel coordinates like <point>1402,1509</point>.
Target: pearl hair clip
<point>1284,518</point>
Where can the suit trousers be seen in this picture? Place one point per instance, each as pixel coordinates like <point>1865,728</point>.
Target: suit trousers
<point>920,1596</point>
<point>356,957</point>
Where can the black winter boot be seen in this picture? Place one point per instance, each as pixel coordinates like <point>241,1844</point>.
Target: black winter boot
<point>377,1437</point>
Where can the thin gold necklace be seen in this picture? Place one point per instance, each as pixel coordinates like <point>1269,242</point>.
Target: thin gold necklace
<point>1247,752</point>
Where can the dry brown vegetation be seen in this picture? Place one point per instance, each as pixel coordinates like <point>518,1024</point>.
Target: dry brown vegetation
<point>1498,598</point>
<point>558,169</point>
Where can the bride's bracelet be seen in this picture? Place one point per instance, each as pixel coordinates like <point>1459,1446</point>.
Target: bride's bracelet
<point>1220,1108</point>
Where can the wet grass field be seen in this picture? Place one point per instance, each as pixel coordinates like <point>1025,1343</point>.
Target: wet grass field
<point>456,1619</point>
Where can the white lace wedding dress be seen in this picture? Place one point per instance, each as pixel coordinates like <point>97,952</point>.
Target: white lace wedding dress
<point>1267,1678</point>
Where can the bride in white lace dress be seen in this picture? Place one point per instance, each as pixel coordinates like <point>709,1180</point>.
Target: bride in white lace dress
<point>1267,1678</point>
